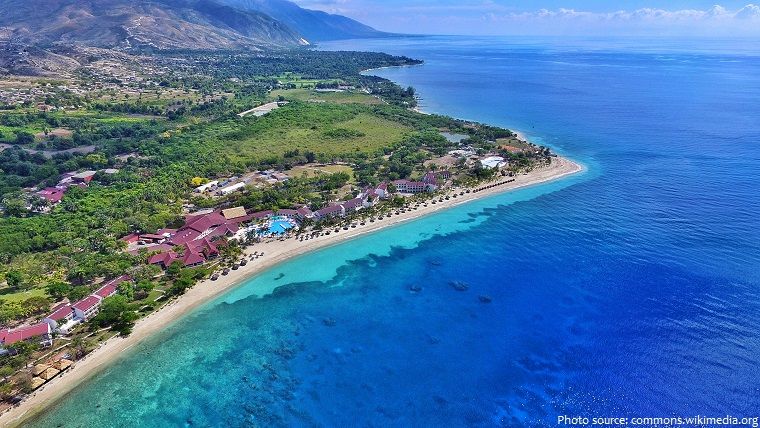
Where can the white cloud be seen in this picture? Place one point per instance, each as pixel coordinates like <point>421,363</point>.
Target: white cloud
<point>493,17</point>
<point>716,20</point>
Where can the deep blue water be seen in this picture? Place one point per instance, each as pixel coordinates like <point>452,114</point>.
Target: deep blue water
<point>630,290</point>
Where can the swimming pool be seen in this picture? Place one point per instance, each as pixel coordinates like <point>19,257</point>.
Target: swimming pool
<point>278,226</point>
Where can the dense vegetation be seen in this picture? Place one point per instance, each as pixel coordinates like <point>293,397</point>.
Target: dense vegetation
<point>193,134</point>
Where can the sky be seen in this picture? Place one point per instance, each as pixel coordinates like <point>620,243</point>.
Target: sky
<point>700,18</point>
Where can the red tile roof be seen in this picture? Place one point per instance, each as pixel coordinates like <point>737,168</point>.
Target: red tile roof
<point>329,210</point>
<point>153,237</point>
<point>9,337</point>
<point>165,259</point>
<point>87,303</point>
<point>51,194</point>
<point>60,312</point>
<point>107,290</point>
<point>353,203</point>
<point>262,214</point>
<point>192,257</point>
<point>184,236</point>
<point>132,237</point>
<point>223,230</point>
<point>203,222</point>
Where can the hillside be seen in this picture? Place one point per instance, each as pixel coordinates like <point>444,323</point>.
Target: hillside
<point>161,24</point>
<point>313,25</point>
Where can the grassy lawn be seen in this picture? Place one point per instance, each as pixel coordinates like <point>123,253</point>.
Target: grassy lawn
<point>297,80</point>
<point>330,97</point>
<point>21,295</point>
<point>512,142</point>
<point>321,128</point>
<point>314,170</point>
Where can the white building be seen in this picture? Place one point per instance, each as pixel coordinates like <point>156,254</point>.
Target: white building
<point>206,187</point>
<point>232,189</point>
<point>492,162</point>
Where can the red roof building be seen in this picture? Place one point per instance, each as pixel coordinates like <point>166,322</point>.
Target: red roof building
<point>430,178</point>
<point>202,223</point>
<point>164,259</point>
<point>37,332</point>
<point>51,194</point>
<point>192,257</point>
<point>64,311</point>
<point>131,238</point>
<point>87,307</point>
<point>331,211</point>
<point>304,212</point>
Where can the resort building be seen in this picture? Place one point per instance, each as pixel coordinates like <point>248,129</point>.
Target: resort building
<point>210,186</point>
<point>430,178</point>
<point>111,287</point>
<point>330,212</point>
<point>262,215</point>
<point>232,189</point>
<point>234,213</point>
<point>37,333</point>
<point>493,162</point>
<point>353,205</point>
<point>52,194</point>
<point>304,213</point>
<point>61,316</point>
<point>381,191</point>
<point>406,186</point>
<point>163,259</point>
<point>87,307</point>
<point>83,177</point>
<point>292,214</point>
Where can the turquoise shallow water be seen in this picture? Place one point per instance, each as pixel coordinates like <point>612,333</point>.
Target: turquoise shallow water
<point>631,289</point>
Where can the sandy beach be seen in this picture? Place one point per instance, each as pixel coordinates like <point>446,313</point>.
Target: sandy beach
<point>275,253</point>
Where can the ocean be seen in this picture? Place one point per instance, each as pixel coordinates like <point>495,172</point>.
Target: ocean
<point>631,290</point>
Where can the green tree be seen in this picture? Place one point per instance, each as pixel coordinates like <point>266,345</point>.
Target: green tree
<point>116,312</point>
<point>14,279</point>
<point>174,269</point>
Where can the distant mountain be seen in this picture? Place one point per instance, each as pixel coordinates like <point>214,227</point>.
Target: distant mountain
<point>161,24</point>
<point>312,24</point>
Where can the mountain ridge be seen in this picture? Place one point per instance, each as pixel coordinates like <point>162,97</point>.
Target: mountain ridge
<point>313,24</point>
<point>160,24</point>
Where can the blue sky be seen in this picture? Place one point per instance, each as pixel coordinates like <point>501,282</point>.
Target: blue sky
<point>552,17</point>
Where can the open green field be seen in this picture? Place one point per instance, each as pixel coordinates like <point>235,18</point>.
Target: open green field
<point>298,80</point>
<point>314,170</point>
<point>330,129</point>
<point>329,97</point>
<point>20,296</point>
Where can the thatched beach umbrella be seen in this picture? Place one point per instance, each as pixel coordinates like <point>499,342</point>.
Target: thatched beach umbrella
<point>49,373</point>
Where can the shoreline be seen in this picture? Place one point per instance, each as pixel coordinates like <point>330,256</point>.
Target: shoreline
<point>275,252</point>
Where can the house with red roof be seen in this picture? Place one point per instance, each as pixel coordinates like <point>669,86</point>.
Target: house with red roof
<point>288,213</point>
<point>52,194</point>
<point>192,257</point>
<point>87,307</point>
<point>62,315</point>
<point>83,177</point>
<point>304,212</point>
<point>430,178</point>
<point>406,186</point>
<point>37,333</point>
<point>132,238</point>
<point>353,205</point>
<point>111,287</point>
<point>261,215</point>
<point>163,259</point>
<point>330,211</point>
